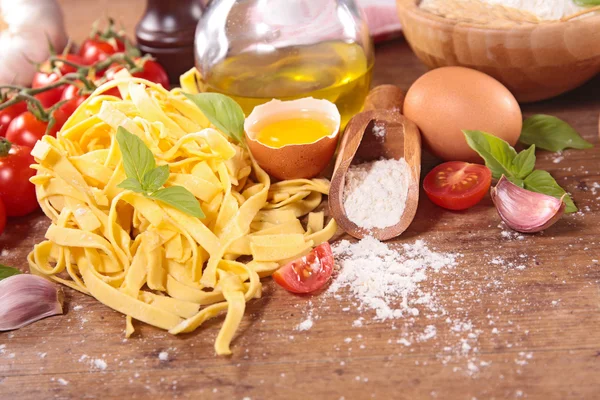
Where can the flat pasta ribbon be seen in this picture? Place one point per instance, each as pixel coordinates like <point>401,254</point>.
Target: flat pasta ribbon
<point>144,258</point>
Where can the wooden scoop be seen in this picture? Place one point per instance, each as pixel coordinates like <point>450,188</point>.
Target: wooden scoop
<point>360,144</point>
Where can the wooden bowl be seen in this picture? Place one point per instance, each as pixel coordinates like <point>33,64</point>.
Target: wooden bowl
<point>535,61</point>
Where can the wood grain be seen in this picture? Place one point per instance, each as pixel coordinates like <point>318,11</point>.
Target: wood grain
<point>561,339</point>
<point>535,61</point>
<point>359,144</point>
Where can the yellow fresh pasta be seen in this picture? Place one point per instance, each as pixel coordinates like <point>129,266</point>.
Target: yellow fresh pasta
<point>144,258</point>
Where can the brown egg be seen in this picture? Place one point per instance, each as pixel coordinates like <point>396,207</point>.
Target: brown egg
<point>294,161</point>
<point>444,101</point>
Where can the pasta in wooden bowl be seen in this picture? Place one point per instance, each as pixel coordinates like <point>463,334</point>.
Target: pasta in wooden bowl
<point>534,59</point>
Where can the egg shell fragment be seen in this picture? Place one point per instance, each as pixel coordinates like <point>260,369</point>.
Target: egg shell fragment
<point>446,100</point>
<point>294,161</point>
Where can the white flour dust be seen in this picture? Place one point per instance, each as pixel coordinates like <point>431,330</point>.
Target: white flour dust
<point>375,193</point>
<point>384,279</point>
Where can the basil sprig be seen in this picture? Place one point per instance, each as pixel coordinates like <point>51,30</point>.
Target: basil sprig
<point>502,159</point>
<point>5,271</point>
<point>587,3</point>
<point>143,176</point>
<point>551,133</point>
<point>223,112</point>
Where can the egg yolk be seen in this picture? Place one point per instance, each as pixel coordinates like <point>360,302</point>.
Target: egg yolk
<point>292,131</point>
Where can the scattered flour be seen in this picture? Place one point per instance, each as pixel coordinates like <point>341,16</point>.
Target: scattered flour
<point>62,381</point>
<point>99,363</point>
<point>375,193</point>
<point>386,280</point>
<point>379,130</point>
<point>163,356</point>
<point>305,325</point>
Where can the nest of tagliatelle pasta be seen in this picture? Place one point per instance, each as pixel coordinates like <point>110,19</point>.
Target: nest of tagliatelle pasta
<point>141,256</point>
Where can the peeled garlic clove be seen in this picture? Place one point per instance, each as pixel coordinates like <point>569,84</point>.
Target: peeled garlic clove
<point>27,298</point>
<point>523,210</point>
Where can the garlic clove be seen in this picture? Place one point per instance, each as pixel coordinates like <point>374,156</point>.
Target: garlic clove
<point>523,210</point>
<point>27,298</point>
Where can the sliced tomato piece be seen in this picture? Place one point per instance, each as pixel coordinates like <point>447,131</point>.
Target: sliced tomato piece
<point>457,185</point>
<point>308,273</point>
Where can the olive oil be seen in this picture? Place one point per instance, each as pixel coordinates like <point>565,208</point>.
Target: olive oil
<point>336,71</point>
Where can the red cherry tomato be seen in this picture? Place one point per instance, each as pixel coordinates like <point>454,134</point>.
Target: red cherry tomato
<point>151,71</point>
<point>2,217</point>
<point>16,192</point>
<point>10,113</point>
<point>72,93</point>
<point>95,49</point>
<point>46,76</point>
<point>66,110</point>
<point>26,129</point>
<point>457,185</point>
<point>307,273</point>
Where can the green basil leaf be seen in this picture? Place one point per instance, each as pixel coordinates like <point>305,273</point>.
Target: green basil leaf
<point>587,3</point>
<point>551,133</point>
<point>543,182</point>
<point>155,179</point>
<point>517,181</point>
<point>131,184</point>
<point>497,154</point>
<point>524,163</point>
<point>179,198</point>
<point>137,157</point>
<point>5,271</point>
<point>222,111</point>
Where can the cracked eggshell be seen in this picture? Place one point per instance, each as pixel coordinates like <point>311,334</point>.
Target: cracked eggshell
<point>293,161</point>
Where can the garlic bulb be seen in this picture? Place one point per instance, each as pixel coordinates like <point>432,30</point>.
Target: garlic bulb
<point>523,210</point>
<point>30,24</point>
<point>27,298</point>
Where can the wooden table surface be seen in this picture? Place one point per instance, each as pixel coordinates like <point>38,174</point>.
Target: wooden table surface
<point>531,329</point>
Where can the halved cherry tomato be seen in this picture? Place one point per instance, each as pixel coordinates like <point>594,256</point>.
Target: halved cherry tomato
<point>46,76</point>
<point>16,192</point>
<point>307,273</point>
<point>457,185</point>
<point>26,129</point>
<point>96,49</point>
<point>2,217</point>
<point>10,113</point>
<point>151,71</point>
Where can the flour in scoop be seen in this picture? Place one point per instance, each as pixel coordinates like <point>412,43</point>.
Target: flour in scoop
<point>375,193</point>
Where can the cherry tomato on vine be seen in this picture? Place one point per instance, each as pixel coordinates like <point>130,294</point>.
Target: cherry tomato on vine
<point>16,192</point>
<point>73,92</point>
<point>26,129</point>
<point>307,273</point>
<point>66,110</point>
<point>46,76</point>
<point>10,113</point>
<point>2,217</point>
<point>457,185</point>
<point>97,49</point>
<point>151,71</point>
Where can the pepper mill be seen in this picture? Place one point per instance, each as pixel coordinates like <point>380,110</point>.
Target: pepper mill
<point>166,31</point>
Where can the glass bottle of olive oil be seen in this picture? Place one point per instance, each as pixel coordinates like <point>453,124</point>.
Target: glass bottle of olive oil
<point>336,71</point>
<point>258,50</point>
